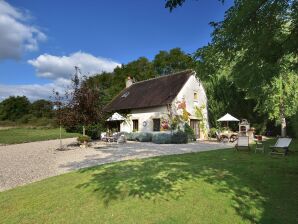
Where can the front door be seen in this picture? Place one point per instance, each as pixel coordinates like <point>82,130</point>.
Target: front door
<point>194,124</point>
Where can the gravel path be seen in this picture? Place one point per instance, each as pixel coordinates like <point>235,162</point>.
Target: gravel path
<point>29,162</point>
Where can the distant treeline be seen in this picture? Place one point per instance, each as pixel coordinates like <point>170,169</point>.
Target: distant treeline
<point>16,110</point>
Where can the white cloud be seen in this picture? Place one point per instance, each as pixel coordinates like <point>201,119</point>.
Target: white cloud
<point>53,67</point>
<point>34,91</point>
<point>17,35</point>
<point>59,70</point>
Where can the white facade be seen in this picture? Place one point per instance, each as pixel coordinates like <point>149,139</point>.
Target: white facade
<point>193,99</point>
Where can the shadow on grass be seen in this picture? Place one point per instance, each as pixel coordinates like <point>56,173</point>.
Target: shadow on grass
<point>245,177</point>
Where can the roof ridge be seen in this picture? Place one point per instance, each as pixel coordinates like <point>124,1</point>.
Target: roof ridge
<point>163,76</point>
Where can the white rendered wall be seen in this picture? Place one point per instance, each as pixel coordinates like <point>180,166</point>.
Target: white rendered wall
<point>187,92</point>
<point>145,117</point>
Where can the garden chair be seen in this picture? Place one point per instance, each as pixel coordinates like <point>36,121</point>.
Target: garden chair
<point>242,143</point>
<point>281,146</point>
<point>259,146</point>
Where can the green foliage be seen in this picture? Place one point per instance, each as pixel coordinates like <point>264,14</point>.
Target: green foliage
<point>144,137</point>
<point>14,108</point>
<point>179,137</point>
<point>162,138</point>
<point>212,132</point>
<point>42,108</point>
<point>293,126</point>
<point>83,138</point>
<point>255,49</point>
<point>132,136</point>
<point>189,132</point>
<point>173,61</point>
<point>94,131</point>
<point>282,90</point>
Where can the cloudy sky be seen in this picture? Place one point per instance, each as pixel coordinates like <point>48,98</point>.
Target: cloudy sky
<point>42,41</point>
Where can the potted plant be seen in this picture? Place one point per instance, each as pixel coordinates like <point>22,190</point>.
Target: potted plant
<point>84,140</point>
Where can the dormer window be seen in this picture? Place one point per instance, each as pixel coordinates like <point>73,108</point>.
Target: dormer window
<point>125,95</point>
<point>195,96</point>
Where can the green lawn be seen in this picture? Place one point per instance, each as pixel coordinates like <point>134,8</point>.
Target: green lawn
<point>19,135</point>
<point>220,186</point>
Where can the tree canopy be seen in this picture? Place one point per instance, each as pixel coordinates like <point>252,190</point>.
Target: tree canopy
<point>256,47</point>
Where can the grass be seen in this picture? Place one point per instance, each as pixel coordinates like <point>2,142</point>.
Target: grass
<point>20,135</point>
<point>220,186</point>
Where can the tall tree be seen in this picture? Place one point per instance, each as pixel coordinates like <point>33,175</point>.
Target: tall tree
<point>80,105</point>
<point>258,41</point>
<point>42,108</point>
<point>167,62</point>
<point>14,108</point>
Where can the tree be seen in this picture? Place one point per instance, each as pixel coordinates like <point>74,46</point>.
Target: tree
<point>257,40</point>
<point>41,108</point>
<point>80,105</point>
<point>175,60</point>
<point>14,108</point>
<point>59,111</point>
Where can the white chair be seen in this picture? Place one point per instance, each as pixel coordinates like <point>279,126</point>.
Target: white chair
<point>242,143</point>
<point>283,144</point>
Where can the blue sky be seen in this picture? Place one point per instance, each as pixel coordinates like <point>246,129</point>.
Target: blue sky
<point>96,35</point>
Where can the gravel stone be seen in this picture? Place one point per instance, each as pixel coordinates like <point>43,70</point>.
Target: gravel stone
<point>25,163</point>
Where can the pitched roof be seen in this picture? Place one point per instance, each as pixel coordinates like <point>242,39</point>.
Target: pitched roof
<point>149,93</point>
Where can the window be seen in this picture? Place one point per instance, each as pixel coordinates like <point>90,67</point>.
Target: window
<point>195,96</point>
<point>135,125</point>
<point>125,95</point>
<point>156,124</point>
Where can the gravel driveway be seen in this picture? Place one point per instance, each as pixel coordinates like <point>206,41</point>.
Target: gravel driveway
<point>25,163</point>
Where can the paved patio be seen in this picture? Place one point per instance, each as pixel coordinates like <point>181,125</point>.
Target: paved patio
<point>29,162</point>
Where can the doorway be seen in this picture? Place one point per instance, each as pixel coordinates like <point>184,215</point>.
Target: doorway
<point>194,124</point>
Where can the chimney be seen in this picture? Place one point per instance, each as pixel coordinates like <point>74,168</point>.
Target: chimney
<point>129,82</point>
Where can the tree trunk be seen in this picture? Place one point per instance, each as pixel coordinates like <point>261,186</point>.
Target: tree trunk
<point>283,126</point>
<point>60,137</point>
<point>283,122</point>
<point>84,131</point>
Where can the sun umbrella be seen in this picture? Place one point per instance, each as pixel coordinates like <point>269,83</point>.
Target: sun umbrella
<point>227,118</point>
<point>116,117</point>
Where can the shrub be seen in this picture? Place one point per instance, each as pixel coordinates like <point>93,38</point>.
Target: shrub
<point>131,136</point>
<point>161,138</point>
<point>144,137</point>
<point>179,137</point>
<point>212,132</point>
<point>93,131</point>
<point>189,132</point>
<point>74,129</point>
<point>83,138</point>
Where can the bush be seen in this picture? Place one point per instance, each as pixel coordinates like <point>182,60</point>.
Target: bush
<point>144,137</point>
<point>189,132</point>
<point>179,137</point>
<point>292,128</point>
<point>83,138</point>
<point>93,131</point>
<point>212,132</point>
<point>74,129</point>
<point>161,138</point>
<point>25,119</point>
<point>131,136</point>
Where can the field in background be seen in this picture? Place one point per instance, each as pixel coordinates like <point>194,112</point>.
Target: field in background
<point>21,135</point>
